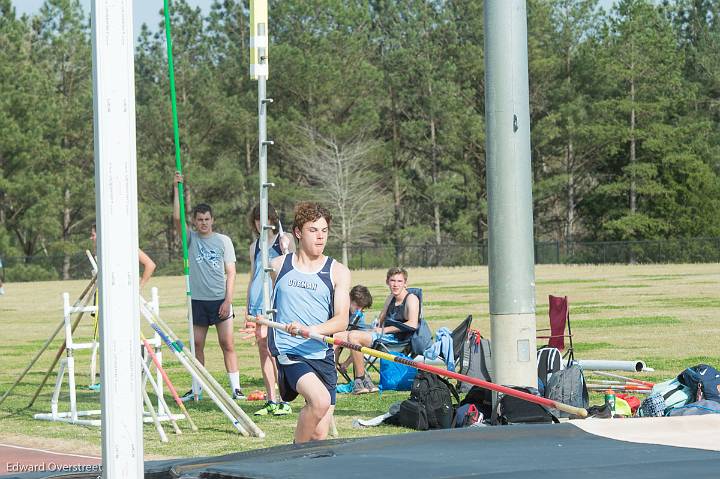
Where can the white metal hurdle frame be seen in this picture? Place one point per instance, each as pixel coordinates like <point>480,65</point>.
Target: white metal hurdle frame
<point>73,416</point>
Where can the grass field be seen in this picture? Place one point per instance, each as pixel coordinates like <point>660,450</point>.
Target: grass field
<point>666,315</point>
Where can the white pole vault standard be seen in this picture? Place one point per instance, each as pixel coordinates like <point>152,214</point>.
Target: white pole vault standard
<point>259,71</point>
<point>117,221</point>
<point>67,364</point>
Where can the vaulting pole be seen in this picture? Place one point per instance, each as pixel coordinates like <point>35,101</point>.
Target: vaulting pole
<point>169,384</point>
<point>576,411</point>
<point>230,408</point>
<point>181,189</point>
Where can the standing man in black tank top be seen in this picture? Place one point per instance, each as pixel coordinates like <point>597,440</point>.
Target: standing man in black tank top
<point>401,306</point>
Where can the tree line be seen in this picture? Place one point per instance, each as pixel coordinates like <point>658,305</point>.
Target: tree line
<point>378,112</point>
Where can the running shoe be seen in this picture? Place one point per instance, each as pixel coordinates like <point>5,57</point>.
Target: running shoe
<point>282,409</point>
<point>189,396</point>
<point>367,382</point>
<point>269,408</point>
<point>359,386</point>
<point>238,394</point>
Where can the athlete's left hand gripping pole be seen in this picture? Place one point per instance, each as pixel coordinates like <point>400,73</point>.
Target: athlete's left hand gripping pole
<point>181,189</point>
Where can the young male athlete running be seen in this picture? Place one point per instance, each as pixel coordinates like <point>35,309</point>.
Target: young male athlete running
<point>311,291</point>
<point>278,244</point>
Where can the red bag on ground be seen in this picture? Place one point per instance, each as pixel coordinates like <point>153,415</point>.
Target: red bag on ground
<point>632,401</point>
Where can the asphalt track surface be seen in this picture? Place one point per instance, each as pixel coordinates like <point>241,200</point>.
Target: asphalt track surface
<point>560,451</point>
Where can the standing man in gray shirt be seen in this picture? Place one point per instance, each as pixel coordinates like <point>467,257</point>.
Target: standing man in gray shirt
<point>212,280</point>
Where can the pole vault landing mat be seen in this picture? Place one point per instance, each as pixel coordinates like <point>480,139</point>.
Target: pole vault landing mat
<point>562,451</point>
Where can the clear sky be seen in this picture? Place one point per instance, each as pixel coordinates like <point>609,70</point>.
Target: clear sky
<point>147,11</point>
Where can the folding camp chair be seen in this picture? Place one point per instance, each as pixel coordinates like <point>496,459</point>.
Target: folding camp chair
<point>403,347</point>
<point>559,312</point>
<point>459,336</point>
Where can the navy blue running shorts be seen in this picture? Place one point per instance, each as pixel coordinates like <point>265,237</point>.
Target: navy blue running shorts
<point>207,312</point>
<point>291,368</point>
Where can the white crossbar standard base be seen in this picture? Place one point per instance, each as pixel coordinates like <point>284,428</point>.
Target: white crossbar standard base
<point>84,418</point>
<point>80,415</point>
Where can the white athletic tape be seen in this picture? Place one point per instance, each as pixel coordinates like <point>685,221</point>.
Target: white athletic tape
<point>257,70</point>
<point>259,41</point>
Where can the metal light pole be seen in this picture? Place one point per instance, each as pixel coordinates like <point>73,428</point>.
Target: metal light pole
<point>117,226</point>
<point>509,184</point>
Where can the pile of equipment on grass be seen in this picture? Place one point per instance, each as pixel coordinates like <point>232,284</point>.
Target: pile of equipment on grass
<point>695,391</point>
<point>562,390</point>
<point>434,402</point>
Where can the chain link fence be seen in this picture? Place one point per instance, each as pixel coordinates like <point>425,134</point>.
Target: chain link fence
<point>694,250</point>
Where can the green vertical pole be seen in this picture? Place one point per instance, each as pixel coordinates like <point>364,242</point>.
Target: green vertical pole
<point>181,189</point>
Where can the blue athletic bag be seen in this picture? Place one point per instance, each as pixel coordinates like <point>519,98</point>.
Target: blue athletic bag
<point>395,376</point>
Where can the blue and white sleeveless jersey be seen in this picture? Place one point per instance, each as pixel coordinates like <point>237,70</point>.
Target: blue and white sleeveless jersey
<point>305,298</point>
<point>255,303</point>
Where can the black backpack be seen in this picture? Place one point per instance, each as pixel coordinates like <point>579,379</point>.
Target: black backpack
<point>481,398</point>
<point>568,387</point>
<point>549,361</point>
<point>430,405</point>
<point>475,359</point>
<point>512,410</point>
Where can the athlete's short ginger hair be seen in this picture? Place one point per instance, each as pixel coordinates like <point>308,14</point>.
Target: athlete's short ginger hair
<point>307,212</point>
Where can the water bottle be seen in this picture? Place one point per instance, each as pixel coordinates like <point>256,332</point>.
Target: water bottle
<point>610,401</point>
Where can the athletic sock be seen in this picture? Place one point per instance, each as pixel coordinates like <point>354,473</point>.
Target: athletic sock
<point>234,380</point>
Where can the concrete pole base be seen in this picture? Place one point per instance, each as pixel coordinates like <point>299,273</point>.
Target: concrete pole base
<point>513,349</point>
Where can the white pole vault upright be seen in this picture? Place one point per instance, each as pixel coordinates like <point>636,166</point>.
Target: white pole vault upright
<point>259,71</point>
<point>116,209</point>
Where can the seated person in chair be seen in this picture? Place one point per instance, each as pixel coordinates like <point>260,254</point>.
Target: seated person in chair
<point>401,306</point>
<point>360,300</point>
